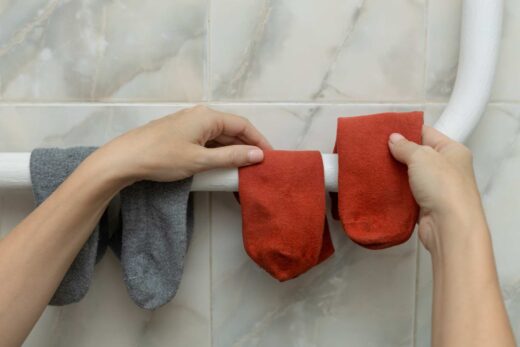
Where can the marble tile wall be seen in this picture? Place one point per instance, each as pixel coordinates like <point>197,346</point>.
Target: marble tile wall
<point>294,50</point>
<point>79,72</point>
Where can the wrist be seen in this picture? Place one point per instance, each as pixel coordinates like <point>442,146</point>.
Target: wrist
<point>107,172</point>
<point>117,169</point>
<point>458,232</point>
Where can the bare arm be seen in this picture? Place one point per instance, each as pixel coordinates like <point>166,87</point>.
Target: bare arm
<point>468,308</point>
<point>35,255</point>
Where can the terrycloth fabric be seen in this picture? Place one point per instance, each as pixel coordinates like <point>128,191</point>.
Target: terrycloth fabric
<point>157,223</point>
<point>284,225</point>
<point>49,167</point>
<point>375,204</point>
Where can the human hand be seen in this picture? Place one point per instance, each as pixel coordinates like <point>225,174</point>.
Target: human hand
<point>452,226</point>
<point>177,146</point>
<point>443,184</point>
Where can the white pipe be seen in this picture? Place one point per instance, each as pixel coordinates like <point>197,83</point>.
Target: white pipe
<point>481,27</point>
<point>480,38</point>
<point>14,173</point>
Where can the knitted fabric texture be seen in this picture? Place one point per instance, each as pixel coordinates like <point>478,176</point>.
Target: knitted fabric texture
<point>284,225</point>
<point>374,201</point>
<point>49,167</point>
<point>156,228</point>
<point>153,223</point>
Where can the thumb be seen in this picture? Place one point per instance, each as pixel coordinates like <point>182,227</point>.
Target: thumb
<point>401,148</point>
<point>233,156</point>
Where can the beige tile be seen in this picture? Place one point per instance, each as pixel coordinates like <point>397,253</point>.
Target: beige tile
<point>96,50</point>
<point>443,46</point>
<point>295,50</point>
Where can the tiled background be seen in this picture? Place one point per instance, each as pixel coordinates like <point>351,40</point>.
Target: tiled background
<point>82,71</point>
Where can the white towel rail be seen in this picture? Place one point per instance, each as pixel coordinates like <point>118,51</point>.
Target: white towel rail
<point>14,173</point>
<point>480,37</point>
<point>481,28</point>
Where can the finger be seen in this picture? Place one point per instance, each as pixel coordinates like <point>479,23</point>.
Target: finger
<point>212,144</point>
<point>241,128</point>
<point>401,148</point>
<point>225,140</point>
<point>434,138</point>
<point>232,156</point>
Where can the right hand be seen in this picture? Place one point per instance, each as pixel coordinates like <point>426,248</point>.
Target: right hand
<point>182,144</point>
<point>442,181</point>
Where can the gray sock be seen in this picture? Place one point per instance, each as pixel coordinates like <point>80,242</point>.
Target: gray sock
<point>149,223</point>
<point>49,167</point>
<point>157,223</point>
<point>115,222</point>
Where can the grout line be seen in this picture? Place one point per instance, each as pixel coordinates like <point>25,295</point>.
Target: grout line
<point>416,296</point>
<point>425,95</point>
<point>426,50</point>
<point>209,97</point>
<point>504,101</point>
<point>231,103</point>
<point>324,103</point>
<point>210,228</point>
<point>241,103</point>
<point>95,104</point>
<point>209,87</point>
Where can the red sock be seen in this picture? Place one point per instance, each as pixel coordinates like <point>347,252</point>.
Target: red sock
<point>284,225</point>
<point>374,201</point>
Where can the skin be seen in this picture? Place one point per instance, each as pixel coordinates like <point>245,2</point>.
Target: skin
<point>35,255</point>
<point>467,307</point>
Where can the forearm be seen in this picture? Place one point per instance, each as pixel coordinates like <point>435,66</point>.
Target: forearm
<point>43,245</point>
<point>468,309</point>
<point>35,256</point>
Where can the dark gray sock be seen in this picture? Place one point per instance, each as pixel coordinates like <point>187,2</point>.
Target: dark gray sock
<point>157,223</point>
<point>49,167</point>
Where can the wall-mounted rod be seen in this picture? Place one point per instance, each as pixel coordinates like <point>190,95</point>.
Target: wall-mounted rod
<point>14,173</point>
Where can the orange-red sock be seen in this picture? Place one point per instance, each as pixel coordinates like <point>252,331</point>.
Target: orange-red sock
<point>374,201</point>
<point>284,225</point>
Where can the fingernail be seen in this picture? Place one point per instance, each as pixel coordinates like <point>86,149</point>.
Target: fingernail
<point>395,137</point>
<point>255,155</point>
